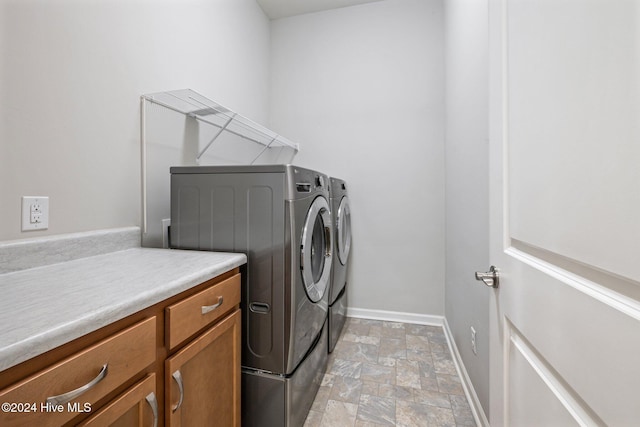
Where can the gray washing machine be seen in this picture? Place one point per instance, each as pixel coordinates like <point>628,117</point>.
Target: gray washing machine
<point>341,217</point>
<point>279,216</point>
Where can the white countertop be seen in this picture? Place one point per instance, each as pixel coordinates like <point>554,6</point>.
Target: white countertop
<point>44,307</point>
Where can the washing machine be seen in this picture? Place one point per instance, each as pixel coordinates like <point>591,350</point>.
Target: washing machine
<point>279,216</point>
<point>341,217</point>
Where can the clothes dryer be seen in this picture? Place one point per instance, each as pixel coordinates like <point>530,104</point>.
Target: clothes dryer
<point>341,217</point>
<point>279,216</point>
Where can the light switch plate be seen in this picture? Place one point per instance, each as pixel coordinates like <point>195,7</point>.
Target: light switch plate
<point>35,213</point>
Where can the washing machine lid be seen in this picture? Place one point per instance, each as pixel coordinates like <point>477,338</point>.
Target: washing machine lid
<point>315,249</point>
<point>343,230</point>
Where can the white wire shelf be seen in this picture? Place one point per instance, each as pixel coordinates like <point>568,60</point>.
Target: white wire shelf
<point>252,142</point>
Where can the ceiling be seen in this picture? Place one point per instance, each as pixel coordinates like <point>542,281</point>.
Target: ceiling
<point>275,9</point>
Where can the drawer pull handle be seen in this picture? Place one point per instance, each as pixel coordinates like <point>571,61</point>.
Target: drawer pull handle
<point>153,402</point>
<point>209,308</point>
<point>69,396</point>
<point>177,376</point>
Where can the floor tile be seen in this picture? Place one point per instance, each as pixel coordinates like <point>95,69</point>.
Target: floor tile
<point>418,342</point>
<point>411,414</point>
<point>339,414</point>
<point>408,373</point>
<point>462,411</point>
<point>346,368</point>
<point>378,410</point>
<point>390,374</point>
<point>357,351</point>
<point>322,397</point>
<point>314,418</point>
<point>346,389</point>
<point>395,392</point>
<point>395,348</point>
<point>378,373</point>
<point>370,387</point>
<point>432,398</point>
<point>450,384</point>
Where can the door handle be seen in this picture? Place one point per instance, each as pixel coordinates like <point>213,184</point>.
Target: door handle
<point>153,403</point>
<point>177,376</point>
<point>209,308</point>
<point>69,396</point>
<point>490,278</point>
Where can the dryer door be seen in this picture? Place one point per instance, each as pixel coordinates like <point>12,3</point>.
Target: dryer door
<point>343,230</point>
<point>315,252</point>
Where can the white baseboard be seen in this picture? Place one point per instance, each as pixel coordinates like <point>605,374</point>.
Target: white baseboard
<point>426,319</point>
<point>395,316</point>
<point>476,408</point>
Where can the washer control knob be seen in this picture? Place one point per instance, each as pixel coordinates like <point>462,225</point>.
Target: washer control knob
<point>319,181</point>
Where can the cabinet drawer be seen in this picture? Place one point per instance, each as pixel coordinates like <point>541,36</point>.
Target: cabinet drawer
<point>124,354</point>
<point>190,315</point>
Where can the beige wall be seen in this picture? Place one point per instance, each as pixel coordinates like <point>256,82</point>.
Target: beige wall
<point>70,81</point>
<point>361,88</point>
<point>467,188</point>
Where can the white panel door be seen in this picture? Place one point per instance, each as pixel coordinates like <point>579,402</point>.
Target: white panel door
<point>565,212</point>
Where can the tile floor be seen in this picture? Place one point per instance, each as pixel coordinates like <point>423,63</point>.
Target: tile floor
<point>390,374</point>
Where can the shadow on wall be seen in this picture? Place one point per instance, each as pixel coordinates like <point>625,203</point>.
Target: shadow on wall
<point>214,136</point>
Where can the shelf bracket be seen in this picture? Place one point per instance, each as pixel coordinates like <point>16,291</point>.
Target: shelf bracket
<point>215,136</point>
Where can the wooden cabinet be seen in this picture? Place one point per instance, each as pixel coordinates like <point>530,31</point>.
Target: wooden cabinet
<point>123,374</point>
<point>190,315</point>
<point>137,407</point>
<point>75,384</point>
<point>203,379</point>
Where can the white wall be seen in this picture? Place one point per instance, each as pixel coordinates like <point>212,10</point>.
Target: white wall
<point>467,184</point>
<point>70,80</point>
<point>361,89</point>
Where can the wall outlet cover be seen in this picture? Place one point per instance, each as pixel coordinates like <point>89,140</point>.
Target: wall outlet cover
<point>474,347</point>
<point>35,213</point>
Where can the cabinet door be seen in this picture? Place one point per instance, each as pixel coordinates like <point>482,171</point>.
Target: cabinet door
<point>137,407</point>
<point>203,379</point>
